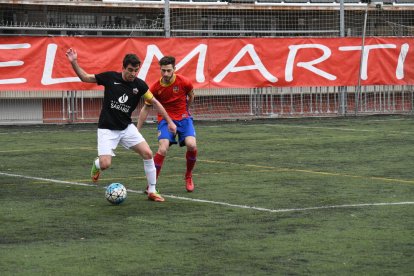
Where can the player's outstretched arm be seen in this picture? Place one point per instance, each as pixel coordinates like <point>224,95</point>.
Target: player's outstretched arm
<point>143,114</point>
<point>72,56</point>
<point>171,126</point>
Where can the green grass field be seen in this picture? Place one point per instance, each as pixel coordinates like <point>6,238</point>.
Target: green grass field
<point>319,196</point>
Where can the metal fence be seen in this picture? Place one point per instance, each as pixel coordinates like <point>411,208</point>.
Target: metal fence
<point>242,18</point>
<point>273,102</point>
<point>262,18</point>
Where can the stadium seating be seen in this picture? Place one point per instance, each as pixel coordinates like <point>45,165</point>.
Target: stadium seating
<point>349,1</point>
<point>242,1</point>
<point>296,1</point>
<point>310,1</point>
<point>321,1</point>
<point>269,1</point>
<point>206,1</point>
<point>283,1</point>
<point>386,2</point>
<point>404,2</point>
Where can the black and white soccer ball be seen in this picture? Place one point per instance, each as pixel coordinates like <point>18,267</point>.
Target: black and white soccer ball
<point>116,193</point>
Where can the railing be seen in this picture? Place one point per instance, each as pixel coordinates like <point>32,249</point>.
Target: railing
<point>261,18</point>
<point>84,106</point>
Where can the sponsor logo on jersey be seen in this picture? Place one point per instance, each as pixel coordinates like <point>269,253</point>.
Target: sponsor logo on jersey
<point>123,99</point>
<point>120,105</point>
<point>135,91</point>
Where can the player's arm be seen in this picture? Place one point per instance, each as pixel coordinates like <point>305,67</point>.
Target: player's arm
<point>190,98</point>
<point>143,114</point>
<point>72,56</point>
<point>150,100</point>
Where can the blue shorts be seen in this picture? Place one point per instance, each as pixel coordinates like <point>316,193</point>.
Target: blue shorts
<point>185,127</point>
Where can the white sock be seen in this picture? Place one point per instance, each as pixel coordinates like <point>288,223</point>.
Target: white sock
<point>97,163</point>
<point>151,174</point>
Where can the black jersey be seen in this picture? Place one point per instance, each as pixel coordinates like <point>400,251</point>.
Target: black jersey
<point>120,99</point>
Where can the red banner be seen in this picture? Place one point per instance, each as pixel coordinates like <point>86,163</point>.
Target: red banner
<point>39,63</point>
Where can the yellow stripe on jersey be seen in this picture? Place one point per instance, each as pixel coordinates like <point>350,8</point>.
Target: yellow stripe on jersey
<point>148,96</point>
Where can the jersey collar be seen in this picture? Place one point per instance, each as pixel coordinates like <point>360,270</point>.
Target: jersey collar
<point>170,83</point>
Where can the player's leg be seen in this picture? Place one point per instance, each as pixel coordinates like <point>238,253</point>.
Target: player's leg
<point>144,150</point>
<point>165,139</point>
<point>187,138</point>
<point>99,164</point>
<point>95,170</point>
<point>163,146</point>
<point>134,140</point>
<point>191,159</point>
<point>191,154</point>
<point>107,141</point>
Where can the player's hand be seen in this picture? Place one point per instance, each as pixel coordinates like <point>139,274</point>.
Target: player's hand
<point>172,128</point>
<point>72,54</point>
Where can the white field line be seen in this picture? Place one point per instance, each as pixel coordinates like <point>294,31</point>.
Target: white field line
<point>269,125</point>
<point>224,203</point>
<point>47,179</point>
<point>42,131</point>
<point>338,128</point>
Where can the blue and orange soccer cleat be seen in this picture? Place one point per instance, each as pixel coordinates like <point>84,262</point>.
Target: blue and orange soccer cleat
<point>95,172</point>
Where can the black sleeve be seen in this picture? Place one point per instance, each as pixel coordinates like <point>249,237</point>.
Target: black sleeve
<point>103,78</point>
<point>143,86</point>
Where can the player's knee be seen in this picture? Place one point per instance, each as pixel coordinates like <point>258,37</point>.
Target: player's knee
<point>191,146</point>
<point>163,151</point>
<point>163,147</point>
<point>191,143</point>
<point>147,155</point>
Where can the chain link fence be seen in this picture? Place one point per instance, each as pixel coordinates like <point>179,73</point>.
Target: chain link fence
<point>230,19</point>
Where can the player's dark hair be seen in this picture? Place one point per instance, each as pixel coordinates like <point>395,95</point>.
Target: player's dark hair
<point>166,60</point>
<point>131,59</point>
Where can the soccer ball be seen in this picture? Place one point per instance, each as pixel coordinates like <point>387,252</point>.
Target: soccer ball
<point>116,193</point>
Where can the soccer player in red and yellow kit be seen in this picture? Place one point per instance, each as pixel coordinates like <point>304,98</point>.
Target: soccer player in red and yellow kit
<point>175,93</point>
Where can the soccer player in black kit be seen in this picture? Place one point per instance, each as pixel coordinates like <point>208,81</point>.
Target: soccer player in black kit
<point>122,93</point>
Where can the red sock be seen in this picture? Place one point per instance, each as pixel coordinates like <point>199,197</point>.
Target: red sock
<point>191,157</point>
<point>158,161</point>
